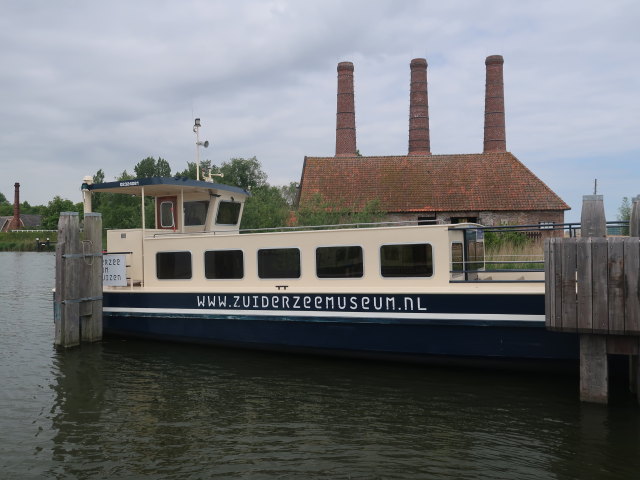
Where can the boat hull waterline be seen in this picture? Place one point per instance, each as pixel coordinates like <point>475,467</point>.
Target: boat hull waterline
<point>415,327</point>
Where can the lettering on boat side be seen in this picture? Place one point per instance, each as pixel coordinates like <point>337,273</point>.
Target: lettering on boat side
<point>314,303</point>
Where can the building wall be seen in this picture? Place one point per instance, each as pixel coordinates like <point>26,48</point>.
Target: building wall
<point>487,218</point>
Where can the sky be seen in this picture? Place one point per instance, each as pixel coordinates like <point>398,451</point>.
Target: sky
<point>88,85</point>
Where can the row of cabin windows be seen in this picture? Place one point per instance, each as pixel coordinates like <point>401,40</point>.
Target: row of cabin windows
<point>407,260</point>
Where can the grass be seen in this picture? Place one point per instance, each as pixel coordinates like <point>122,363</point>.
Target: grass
<point>519,257</point>
<point>25,241</point>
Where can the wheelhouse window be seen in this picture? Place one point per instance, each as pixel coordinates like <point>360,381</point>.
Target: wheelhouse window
<point>407,260</point>
<point>279,263</point>
<point>195,213</point>
<point>339,262</point>
<point>166,215</point>
<point>173,265</point>
<point>228,213</point>
<point>223,264</point>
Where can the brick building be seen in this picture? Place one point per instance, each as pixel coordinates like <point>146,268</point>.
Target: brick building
<point>491,188</point>
<point>18,221</point>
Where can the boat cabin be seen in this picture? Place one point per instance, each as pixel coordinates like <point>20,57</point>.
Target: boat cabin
<point>196,244</point>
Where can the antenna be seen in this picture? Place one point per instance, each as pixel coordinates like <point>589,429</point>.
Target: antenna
<point>205,144</point>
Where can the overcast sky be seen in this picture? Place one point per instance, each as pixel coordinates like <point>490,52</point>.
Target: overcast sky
<point>86,85</point>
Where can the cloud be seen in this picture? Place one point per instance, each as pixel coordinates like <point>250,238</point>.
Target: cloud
<point>102,85</point>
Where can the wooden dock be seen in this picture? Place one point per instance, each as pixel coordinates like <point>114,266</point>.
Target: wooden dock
<point>592,288</point>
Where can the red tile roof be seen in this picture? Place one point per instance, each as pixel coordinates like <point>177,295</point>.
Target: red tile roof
<point>485,181</point>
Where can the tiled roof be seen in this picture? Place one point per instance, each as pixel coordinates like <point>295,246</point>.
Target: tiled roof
<point>28,220</point>
<point>486,181</point>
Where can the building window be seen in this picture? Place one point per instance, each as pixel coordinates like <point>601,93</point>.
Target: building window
<point>279,263</point>
<point>339,262</point>
<point>223,264</point>
<point>195,213</point>
<point>546,225</point>
<point>428,219</point>
<point>464,219</point>
<point>228,213</point>
<point>173,265</point>
<point>409,260</point>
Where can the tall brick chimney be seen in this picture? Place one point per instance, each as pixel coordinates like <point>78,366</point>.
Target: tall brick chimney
<point>495,139</point>
<point>15,221</point>
<point>346,113</point>
<point>419,109</point>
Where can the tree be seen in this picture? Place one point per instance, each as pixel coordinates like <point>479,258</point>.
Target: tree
<point>318,211</point>
<point>290,193</point>
<point>190,171</point>
<point>265,208</point>
<point>51,212</point>
<point>150,167</point>
<point>3,199</point>
<point>244,173</point>
<point>624,213</point>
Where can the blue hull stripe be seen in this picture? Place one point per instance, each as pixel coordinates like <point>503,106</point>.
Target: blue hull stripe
<point>484,326</point>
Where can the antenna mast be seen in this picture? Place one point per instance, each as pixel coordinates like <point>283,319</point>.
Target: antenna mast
<point>205,144</point>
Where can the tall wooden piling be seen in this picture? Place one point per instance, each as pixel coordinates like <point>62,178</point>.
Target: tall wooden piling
<point>66,312</point>
<point>78,294</point>
<point>594,365</point>
<point>91,285</point>
<point>634,218</point>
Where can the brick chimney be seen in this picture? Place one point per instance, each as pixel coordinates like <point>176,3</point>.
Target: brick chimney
<point>419,109</point>
<point>15,223</point>
<point>346,113</point>
<point>495,139</point>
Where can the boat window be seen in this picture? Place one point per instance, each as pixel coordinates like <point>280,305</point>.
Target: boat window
<point>407,260</point>
<point>457,260</point>
<point>474,239</point>
<point>173,265</point>
<point>195,213</point>
<point>279,263</point>
<point>223,264</point>
<point>166,215</point>
<point>228,213</point>
<point>339,262</point>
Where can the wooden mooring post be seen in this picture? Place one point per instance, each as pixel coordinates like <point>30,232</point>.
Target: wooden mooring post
<point>78,294</point>
<point>592,288</point>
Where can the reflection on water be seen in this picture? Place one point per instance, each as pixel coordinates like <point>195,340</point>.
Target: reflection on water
<point>132,409</point>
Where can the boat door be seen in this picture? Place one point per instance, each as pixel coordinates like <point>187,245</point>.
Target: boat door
<point>167,212</point>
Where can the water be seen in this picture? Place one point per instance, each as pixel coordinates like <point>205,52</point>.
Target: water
<point>132,409</point>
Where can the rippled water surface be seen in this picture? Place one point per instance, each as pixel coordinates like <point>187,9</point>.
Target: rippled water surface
<point>131,409</point>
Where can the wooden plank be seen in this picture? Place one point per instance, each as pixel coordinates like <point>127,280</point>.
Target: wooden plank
<point>91,272</point>
<point>632,285</point>
<point>569,319</point>
<point>592,218</point>
<point>549,292</point>
<point>59,294</point>
<point>584,309</point>
<point>557,283</point>
<point>615,285</point>
<point>66,313</point>
<point>599,257</point>
<point>634,218</point>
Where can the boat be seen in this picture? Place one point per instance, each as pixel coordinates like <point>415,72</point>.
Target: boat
<point>417,293</point>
